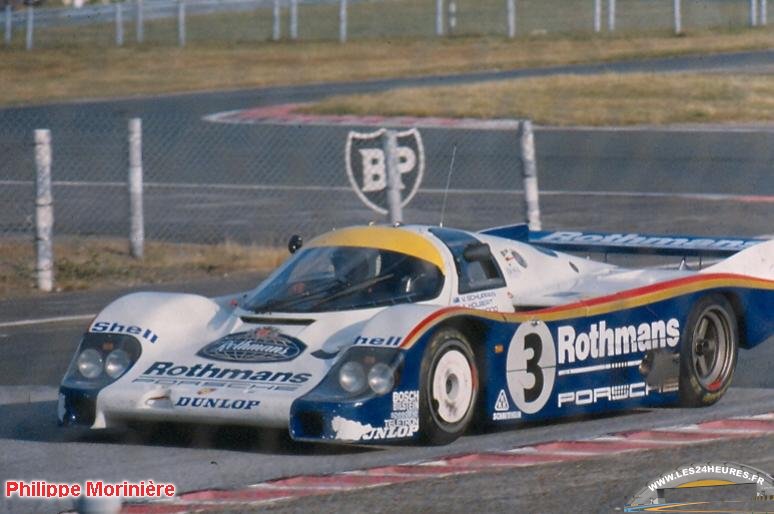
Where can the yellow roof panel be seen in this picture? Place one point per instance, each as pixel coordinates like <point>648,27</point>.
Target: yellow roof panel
<point>394,239</point>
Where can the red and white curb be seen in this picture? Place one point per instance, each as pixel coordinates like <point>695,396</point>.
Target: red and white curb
<point>544,453</point>
<point>289,114</point>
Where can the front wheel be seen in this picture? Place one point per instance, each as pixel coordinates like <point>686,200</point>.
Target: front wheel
<point>708,352</point>
<point>449,387</point>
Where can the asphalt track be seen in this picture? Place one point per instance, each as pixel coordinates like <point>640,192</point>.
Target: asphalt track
<point>706,182</point>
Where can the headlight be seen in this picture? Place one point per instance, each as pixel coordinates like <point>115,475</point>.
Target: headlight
<point>352,377</point>
<point>116,363</point>
<point>101,359</point>
<point>90,363</point>
<point>381,378</point>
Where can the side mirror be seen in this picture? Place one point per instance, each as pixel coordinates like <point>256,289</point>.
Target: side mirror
<point>295,243</point>
<point>476,252</point>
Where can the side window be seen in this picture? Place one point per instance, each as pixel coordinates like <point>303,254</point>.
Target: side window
<point>476,267</point>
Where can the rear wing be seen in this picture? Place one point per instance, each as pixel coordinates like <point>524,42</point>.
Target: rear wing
<point>625,243</point>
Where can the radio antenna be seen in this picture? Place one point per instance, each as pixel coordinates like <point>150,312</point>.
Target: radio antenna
<point>448,181</point>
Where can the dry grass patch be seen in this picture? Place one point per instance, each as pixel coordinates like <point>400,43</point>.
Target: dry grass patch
<point>90,71</point>
<point>99,263</point>
<point>607,99</point>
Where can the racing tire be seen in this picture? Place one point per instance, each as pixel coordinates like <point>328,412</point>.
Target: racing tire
<point>448,388</point>
<point>708,352</point>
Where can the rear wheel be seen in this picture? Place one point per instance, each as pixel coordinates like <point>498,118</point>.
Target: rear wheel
<point>709,351</point>
<point>449,387</point>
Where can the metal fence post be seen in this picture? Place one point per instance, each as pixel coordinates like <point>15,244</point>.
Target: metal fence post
<point>140,28</point>
<point>394,201</point>
<point>511,8</point>
<point>753,13</point>
<point>30,26</point>
<point>181,23</point>
<point>597,15</point>
<point>8,24</point>
<point>529,174</point>
<point>293,19</point>
<point>44,212</point>
<point>276,32</point>
<point>764,14</point>
<point>611,15</point>
<point>136,223</point>
<point>678,21</point>
<point>119,24</point>
<point>342,21</point>
<point>439,25</point>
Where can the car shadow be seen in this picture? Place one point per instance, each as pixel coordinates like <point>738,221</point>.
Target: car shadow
<point>36,421</point>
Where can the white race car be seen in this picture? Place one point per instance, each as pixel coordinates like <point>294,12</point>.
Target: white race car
<point>382,333</point>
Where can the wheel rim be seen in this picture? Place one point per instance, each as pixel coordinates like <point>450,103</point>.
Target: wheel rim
<point>712,348</point>
<point>452,387</point>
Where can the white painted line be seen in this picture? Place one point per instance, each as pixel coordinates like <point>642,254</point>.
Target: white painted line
<point>666,442</point>
<point>574,453</point>
<point>767,416</point>
<point>748,198</point>
<point>694,129</point>
<point>41,321</point>
<point>524,450</point>
<point>720,431</point>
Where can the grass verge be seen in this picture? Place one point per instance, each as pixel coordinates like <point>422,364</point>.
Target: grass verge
<point>608,99</point>
<point>92,71</point>
<point>98,263</point>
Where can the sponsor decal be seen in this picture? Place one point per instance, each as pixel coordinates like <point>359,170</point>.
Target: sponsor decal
<point>608,393</point>
<point>216,403</point>
<point>349,430</point>
<point>502,402</point>
<point>377,341</point>
<point>366,166</point>
<point>118,328</point>
<point>170,369</point>
<point>669,491</point>
<point>502,408</point>
<point>213,385</point>
<point>601,341</point>
<point>504,416</point>
<point>403,421</point>
<point>635,240</point>
<point>484,300</point>
<point>264,344</point>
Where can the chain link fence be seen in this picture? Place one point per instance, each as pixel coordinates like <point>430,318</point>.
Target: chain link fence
<point>169,22</point>
<point>207,182</point>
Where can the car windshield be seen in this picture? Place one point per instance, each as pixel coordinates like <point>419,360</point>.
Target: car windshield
<point>334,278</point>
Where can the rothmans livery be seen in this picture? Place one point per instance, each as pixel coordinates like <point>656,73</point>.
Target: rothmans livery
<point>385,333</point>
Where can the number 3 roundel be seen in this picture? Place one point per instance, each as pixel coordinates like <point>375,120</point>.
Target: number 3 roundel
<point>531,366</point>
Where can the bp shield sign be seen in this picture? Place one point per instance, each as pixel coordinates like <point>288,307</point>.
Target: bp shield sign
<point>367,166</point>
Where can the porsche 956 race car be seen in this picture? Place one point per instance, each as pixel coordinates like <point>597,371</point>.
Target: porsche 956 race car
<point>384,333</point>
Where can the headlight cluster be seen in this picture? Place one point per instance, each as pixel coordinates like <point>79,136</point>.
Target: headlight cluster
<point>102,358</point>
<point>363,370</point>
<point>91,363</point>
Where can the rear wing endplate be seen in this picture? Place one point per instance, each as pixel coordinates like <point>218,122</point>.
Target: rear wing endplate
<point>625,243</point>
